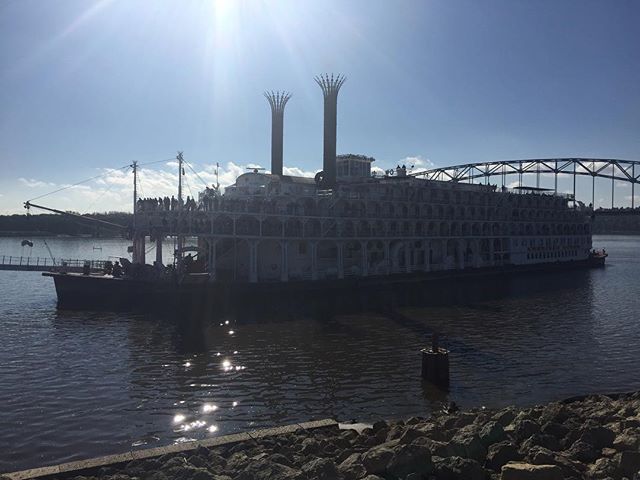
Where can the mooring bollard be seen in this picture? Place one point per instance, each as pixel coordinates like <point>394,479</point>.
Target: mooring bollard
<point>435,363</point>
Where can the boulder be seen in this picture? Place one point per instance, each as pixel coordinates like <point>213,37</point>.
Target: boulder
<point>173,462</point>
<point>199,460</point>
<point>152,476</point>
<point>351,468</point>
<point>527,471</point>
<point>202,474</point>
<point>463,419</point>
<point>321,469</point>
<point>410,434</point>
<point>505,417</point>
<point>629,463</point>
<point>540,456</point>
<point>281,459</point>
<point>547,441</point>
<point>473,448</point>
<point>598,436</point>
<point>556,429</point>
<point>627,440</point>
<point>349,435</point>
<point>265,470</point>
<point>445,449</point>
<point>237,461</point>
<point>376,459</point>
<point>555,412</point>
<point>491,433</point>
<point>603,468</point>
<point>458,468</point>
<point>583,452</point>
<point>215,459</point>
<point>410,459</point>
<point>184,472</point>
<point>435,432</point>
<point>310,446</point>
<point>544,456</point>
<point>395,432</point>
<point>500,454</point>
<point>523,429</point>
<point>379,425</point>
<point>631,422</point>
<point>413,420</point>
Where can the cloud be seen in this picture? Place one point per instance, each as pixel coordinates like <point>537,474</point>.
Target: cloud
<point>298,172</point>
<point>418,162</point>
<point>377,171</point>
<point>113,190</point>
<point>33,183</point>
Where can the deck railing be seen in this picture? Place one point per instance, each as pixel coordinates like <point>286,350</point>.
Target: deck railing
<point>10,262</point>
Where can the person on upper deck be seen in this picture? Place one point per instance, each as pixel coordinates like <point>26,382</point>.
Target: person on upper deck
<point>117,270</point>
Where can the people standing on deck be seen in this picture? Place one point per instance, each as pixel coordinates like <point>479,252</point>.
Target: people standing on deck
<point>117,270</point>
<point>188,263</point>
<point>108,267</point>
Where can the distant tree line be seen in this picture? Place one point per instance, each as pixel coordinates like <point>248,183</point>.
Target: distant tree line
<point>618,220</point>
<point>622,221</point>
<point>54,224</point>
<point>617,211</point>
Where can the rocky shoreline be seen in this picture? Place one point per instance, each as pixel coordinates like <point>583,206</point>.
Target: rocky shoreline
<point>593,437</point>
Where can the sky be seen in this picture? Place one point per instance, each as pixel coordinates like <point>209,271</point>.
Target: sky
<point>87,87</point>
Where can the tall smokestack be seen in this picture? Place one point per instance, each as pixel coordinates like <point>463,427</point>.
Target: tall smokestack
<point>277,101</point>
<point>330,87</point>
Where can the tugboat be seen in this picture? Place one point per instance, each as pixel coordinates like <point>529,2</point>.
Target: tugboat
<point>344,229</point>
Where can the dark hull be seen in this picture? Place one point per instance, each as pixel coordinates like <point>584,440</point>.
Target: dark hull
<point>106,293</point>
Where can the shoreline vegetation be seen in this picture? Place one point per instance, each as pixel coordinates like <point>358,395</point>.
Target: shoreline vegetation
<point>46,224</point>
<point>606,222</point>
<point>595,437</point>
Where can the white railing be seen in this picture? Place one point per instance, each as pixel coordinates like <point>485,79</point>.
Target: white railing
<point>35,262</point>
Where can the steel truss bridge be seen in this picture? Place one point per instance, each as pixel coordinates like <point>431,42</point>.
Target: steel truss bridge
<point>613,169</point>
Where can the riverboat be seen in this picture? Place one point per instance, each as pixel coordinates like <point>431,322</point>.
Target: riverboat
<point>347,228</point>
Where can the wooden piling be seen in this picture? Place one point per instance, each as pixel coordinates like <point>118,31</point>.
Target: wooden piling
<point>435,363</point>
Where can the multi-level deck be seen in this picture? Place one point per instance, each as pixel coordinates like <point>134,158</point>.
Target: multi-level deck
<point>278,228</point>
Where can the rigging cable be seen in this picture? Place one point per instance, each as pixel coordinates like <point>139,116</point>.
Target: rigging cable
<point>189,187</point>
<point>78,183</point>
<point>140,183</point>
<point>95,178</point>
<point>99,197</point>
<point>196,173</point>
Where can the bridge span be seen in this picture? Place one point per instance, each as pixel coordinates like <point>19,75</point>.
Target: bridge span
<point>614,169</point>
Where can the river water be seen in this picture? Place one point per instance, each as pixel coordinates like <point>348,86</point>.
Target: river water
<point>75,385</point>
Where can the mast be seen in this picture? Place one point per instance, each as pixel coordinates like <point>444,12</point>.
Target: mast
<point>180,169</point>
<point>138,254</point>
<point>135,191</point>
<point>180,236</point>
